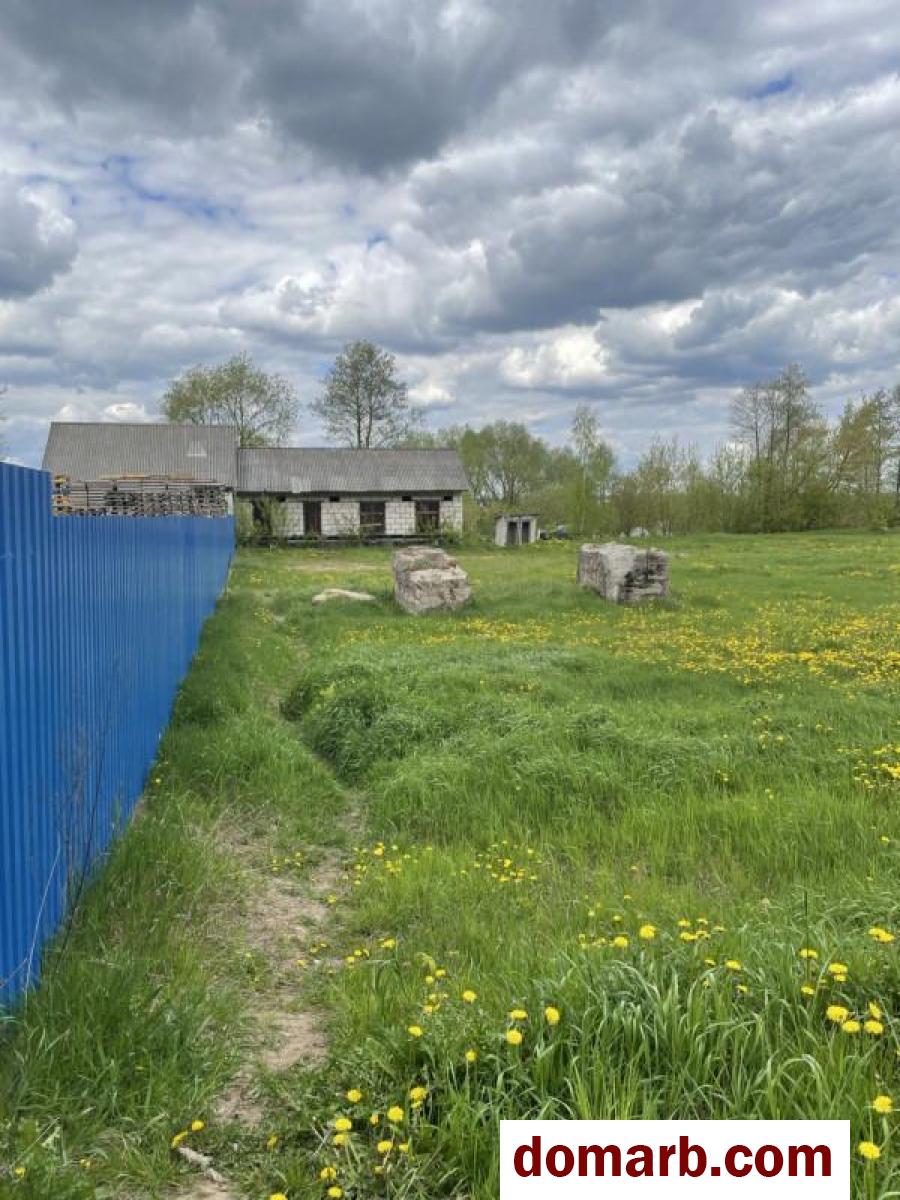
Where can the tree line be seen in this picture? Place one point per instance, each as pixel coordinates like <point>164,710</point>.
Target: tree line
<point>785,466</point>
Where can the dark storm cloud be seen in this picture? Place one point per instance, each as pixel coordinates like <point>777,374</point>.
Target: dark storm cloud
<point>636,201</point>
<point>37,242</point>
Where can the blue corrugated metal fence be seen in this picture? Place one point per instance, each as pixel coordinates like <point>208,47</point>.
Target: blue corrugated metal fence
<point>99,620</point>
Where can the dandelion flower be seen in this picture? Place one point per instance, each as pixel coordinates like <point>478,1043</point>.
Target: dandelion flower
<point>469,996</point>
<point>883,1105</point>
<point>837,1013</point>
<point>647,932</point>
<point>620,941</point>
<point>733,964</point>
<point>395,1113</point>
<point>354,1095</point>
<point>868,1150</point>
<point>389,944</point>
<point>340,1139</point>
<point>471,1056</point>
<point>272,1142</point>
<point>518,1014</point>
<point>384,1146</point>
<point>343,1124</point>
<point>551,1015</point>
<point>374,1119</point>
<point>837,968</point>
<point>808,952</point>
<point>278,1196</point>
<point>874,1027</point>
<point>328,1173</point>
<point>178,1139</point>
<point>197,1126</point>
<point>418,1093</point>
<point>414,1031</point>
<point>875,1011</point>
<point>335,1192</point>
<point>403,1147</point>
<point>851,1026</point>
<point>807,990</point>
<point>514,1037</point>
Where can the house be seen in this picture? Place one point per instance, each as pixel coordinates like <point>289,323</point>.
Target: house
<point>322,493</point>
<point>516,529</point>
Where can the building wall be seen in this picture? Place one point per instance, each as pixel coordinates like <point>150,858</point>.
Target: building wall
<point>452,512</point>
<point>340,518</point>
<point>293,518</point>
<point>400,518</point>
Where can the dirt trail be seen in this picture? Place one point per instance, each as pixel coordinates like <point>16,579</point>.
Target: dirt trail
<point>285,915</point>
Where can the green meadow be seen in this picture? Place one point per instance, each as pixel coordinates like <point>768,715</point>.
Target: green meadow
<point>589,862</point>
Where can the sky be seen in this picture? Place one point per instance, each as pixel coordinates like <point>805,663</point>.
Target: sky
<point>640,205</point>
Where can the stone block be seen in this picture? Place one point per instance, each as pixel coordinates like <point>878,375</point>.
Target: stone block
<point>624,574</point>
<point>427,579</point>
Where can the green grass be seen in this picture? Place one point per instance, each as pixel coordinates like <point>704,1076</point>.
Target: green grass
<point>540,777</point>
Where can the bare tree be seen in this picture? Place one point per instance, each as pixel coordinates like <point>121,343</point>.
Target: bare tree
<point>364,404</point>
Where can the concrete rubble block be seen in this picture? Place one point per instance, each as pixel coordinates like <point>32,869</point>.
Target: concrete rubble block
<point>624,574</point>
<point>428,580</point>
<point>342,594</point>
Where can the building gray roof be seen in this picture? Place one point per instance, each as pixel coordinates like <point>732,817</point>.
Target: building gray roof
<point>93,450</point>
<point>317,472</point>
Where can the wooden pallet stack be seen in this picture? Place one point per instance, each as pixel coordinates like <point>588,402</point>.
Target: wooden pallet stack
<point>138,496</point>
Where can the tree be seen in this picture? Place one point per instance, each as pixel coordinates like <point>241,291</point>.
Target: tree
<point>364,404</point>
<point>596,461</point>
<point>262,407</point>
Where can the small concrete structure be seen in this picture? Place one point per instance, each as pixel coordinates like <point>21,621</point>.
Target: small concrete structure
<point>624,574</point>
<point>515,529</point>
<point>342,594</point>
<point>428,580</point>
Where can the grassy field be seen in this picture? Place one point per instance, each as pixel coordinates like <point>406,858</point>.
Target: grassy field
<point>595,862</point>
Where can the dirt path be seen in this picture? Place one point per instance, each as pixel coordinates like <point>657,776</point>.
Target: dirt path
<point>286,914</point>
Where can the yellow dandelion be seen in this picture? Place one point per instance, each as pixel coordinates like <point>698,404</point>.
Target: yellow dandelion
<point>418,1093</point>
<point>647,933</point>
<point>197,1126</point>
<point>807,990</point>
<point>837,968</point>
<point>883,1105</point>
<point>328,1173</point>
<point>733,964</point>
<point>868,1150</point>
<point>514,1037</point>
<point>620,941</point>
<point>375,1118</point>
<point>851,1026</point>
<point>808,952</point>
<point>389,944</point>
<point>469,997</point>
<point>518,1014</point>
<point>403,1147</point>
<point>875,1011</point>
<point>414,1031</point>
<point>335,1192</point>
<point>471,1055</point>
<point>340,1139</point>
<point>272,1141</point>
<point>354,1095</point>
<point>384,1146</point>
<point>343,1124</point>
<point>837,1013</point>
<point>551,1015</point>
<point>395,1113</point>
<point>178,1139</point>
<point>874,1027</point>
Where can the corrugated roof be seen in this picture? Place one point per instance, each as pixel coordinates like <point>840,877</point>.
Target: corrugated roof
<point>355,471</point>
<point>102,450</point>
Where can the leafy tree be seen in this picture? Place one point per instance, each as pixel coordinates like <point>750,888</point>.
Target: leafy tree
<point>595,461</point>
<point>364,404</point>
<point>262,407</point>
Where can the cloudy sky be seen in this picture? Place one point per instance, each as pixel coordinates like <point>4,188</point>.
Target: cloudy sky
<point>641,204</point>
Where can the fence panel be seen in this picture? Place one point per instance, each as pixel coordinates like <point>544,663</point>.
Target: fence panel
<point>99,620</point>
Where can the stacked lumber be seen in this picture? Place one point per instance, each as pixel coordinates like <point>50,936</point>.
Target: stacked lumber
<point>139,496</point>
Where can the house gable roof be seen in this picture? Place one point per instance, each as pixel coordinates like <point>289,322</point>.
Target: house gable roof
<point>91,450</point>
<point>319,471</point>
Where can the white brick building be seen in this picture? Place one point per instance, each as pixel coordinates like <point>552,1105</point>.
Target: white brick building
<point>356,493</point>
